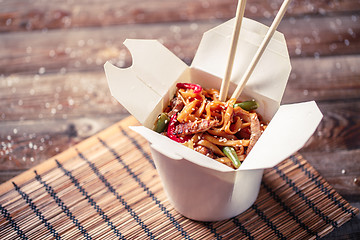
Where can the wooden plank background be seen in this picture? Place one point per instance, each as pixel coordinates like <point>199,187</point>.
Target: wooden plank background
<point>53,91</point>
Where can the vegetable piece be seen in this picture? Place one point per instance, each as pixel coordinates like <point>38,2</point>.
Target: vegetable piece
<point>161,123</point>
<point>231,153</point>
<point>247,105</point>
<point>195,87</point>
<point>171,131</point>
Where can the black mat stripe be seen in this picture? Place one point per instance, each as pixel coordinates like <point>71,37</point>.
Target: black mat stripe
<point>16,228</point>
<point>63,207</point>
<point>212,230</point>
<point>262,215</point>
<point>91,201</point>
<point>321,186</point>
<point>147,190</point>
<point>119,197</point>
<point>242,228</point>
<point>37,212</point>
<point>308,202</point>
<point>288,210</point>
<point>138,146</point>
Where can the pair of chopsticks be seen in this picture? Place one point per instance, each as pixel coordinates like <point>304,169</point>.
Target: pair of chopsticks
<point>238,20</point>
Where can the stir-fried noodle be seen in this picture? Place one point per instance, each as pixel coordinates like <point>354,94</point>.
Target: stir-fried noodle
<point>224,131</point>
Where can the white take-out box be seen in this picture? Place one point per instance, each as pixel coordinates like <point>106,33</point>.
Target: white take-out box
<point>198,187</point>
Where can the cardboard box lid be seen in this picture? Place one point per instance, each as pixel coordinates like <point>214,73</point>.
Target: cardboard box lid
<point>155,70</point>
<point>140,87</point>
<point>271,73</point>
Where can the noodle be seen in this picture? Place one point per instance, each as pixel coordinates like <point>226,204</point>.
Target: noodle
<point>200,121</point>
<point>226,142</point>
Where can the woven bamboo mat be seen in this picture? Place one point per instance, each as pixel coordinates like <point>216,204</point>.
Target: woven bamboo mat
<point>107,187</point>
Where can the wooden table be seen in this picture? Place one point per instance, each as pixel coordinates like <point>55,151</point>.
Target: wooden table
<point>53,91</point>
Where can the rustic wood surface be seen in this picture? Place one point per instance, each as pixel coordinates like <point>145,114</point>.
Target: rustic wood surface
<point>53,91</point>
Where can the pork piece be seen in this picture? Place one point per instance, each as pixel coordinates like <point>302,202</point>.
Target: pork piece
<point>254,125</point>
<point>195,127</point>
<point>205,151</point>
<point>176,105</point>
<point>255,131</point>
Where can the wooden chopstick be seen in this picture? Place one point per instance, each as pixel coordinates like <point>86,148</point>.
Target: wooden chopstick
<point>238,20</point>
<point>261,49</point>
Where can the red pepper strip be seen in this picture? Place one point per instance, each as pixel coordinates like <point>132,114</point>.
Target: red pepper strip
<point>171,130</point>
<point>196,87</point>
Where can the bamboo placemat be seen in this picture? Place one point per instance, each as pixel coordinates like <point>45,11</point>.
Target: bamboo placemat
<point>107,187</point>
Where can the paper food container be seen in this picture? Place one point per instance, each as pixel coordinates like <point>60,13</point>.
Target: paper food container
<point>198,187</point>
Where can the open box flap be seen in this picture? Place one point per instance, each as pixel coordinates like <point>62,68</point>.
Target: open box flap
<point>287,132</point>
<point>140,87</point>
<point>146,86</point>
<point>272,71</point>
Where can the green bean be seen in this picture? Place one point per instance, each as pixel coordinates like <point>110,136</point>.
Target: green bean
<point>247,105</point>
<point>161,123</point>
<point>231,154</point>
